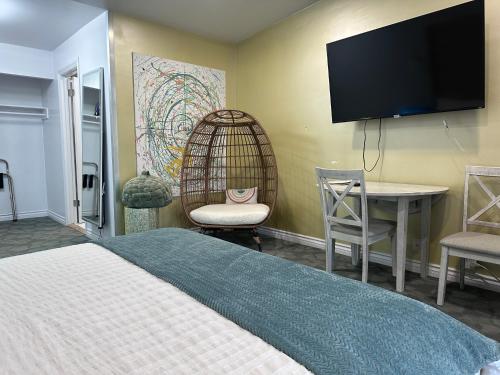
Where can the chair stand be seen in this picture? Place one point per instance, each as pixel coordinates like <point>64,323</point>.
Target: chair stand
<point>256,238</point>
<point>214,232</point>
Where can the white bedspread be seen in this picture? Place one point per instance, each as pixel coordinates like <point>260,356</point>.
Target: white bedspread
<point>83,310</point>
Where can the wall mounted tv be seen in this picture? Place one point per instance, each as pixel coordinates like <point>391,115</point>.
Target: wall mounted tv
<point>432,63</point>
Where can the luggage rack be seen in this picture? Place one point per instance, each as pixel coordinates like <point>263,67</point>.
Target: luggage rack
<point>90,186</point>
<point>10,183</point>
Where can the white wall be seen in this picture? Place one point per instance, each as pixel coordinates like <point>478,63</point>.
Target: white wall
<point>54,166</point>
<point>88,48</point>
<point>24,61</point>
<point>21,144</point>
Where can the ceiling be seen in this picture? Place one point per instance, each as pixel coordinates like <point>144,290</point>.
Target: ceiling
<point>225,20</point>
<point>42,24</point>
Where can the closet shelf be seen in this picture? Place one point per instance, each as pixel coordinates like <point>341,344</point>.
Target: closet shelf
<point>91,119</point>
<point>18,110</point>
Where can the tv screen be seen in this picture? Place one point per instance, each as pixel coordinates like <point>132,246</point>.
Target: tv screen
<point>432,63</point>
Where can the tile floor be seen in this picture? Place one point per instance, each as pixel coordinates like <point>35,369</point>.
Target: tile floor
<point>30,235</point>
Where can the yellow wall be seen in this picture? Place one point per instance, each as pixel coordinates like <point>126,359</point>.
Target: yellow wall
<point>133,35</point>
<point>282,79</point>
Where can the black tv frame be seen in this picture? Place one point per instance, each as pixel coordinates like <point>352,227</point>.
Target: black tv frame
<point>479,3</point>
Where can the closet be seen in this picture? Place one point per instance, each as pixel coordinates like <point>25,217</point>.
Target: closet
<point>54,122</point>
<point>22,154</point>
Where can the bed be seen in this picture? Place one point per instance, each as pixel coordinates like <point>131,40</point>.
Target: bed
<point>176,302</point>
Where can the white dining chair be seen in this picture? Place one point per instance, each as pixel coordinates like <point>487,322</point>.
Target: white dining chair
<point>481,247</point>
<point>355,227</point>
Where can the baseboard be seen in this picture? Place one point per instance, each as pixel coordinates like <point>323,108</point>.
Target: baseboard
<point>378,257</point>
<point>24,215</point>
<point>55,216</point>
<point>92,235</point>
<point>91,231</point>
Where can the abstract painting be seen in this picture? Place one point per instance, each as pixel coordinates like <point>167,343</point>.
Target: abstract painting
<point>170,97</point>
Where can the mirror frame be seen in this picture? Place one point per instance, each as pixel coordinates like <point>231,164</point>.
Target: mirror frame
<point>100,221</point>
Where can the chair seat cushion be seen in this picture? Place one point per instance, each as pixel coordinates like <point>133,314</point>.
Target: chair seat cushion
<point>473,241</point>
<point>375,227</point>
<point>230,214</point>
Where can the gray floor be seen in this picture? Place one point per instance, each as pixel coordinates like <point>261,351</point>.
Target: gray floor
<point>30,235</point>
<point>478,308</point>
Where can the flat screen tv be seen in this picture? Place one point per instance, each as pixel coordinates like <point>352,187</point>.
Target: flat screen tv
<point>431,63</point>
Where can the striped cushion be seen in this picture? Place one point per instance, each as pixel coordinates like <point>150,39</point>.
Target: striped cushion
<point>240,196</point>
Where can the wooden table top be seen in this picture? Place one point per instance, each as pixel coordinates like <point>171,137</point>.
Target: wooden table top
<point>392,189</point>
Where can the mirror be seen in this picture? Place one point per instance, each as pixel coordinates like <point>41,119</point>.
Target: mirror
<point>92,147</point>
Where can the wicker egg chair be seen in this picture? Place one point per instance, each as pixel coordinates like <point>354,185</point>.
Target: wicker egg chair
<point>228,149</point>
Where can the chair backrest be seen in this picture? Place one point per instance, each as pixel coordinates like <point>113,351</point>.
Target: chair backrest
<point>476,173</point>
<point>335,186</point>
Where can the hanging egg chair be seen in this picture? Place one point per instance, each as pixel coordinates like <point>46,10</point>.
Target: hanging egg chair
<point>229,177</point>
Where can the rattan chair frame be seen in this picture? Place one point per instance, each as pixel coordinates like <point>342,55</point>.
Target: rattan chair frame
<point>227,149</point>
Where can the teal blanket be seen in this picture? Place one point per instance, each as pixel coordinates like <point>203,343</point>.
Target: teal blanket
<point>328,323</point>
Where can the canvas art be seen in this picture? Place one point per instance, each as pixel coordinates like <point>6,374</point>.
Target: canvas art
<point>170,98</point>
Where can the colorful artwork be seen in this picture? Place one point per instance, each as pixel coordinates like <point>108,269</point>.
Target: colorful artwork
<point>170,98</point>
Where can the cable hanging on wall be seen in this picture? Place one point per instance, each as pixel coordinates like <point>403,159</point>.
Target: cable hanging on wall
<point>378,145</point>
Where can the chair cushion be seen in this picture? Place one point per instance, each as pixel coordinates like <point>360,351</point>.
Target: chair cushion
<point>375,227</point>
<point>230,214</point>
<point>473,241</point>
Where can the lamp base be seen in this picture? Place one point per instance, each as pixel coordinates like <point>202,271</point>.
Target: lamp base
<point>141,219</point>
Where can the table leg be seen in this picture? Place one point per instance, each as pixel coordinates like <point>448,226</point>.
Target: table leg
<point>425,227</point>
<point>402,231</point>
<point>355,253</point>
<point>330,244</point>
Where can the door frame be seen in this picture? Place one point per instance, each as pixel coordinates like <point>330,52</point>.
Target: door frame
<point>68,152</point>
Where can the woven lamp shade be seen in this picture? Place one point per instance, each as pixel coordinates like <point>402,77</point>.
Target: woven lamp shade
<point>228,149</point>
<point>146,191</point>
